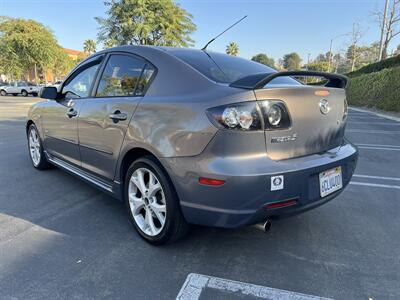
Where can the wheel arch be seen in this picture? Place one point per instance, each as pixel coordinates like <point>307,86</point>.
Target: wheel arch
<point>129,157</point>
<point>28,124</point>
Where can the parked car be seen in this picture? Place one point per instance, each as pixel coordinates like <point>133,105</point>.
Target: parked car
<point>3,85</point>
<point>20,88</point>
<point>186,136</point>
<point>57,84</point>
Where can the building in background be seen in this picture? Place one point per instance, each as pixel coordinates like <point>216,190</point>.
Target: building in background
<point>75,54</point>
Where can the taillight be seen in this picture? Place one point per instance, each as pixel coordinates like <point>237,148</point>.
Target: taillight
<point>345,109</point>
<point>276,115</point>
<point>252,115</point>
<point>239,116</point>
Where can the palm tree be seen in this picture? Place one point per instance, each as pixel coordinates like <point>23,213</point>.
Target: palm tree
<point>232,49</point>
<point>89,46</point>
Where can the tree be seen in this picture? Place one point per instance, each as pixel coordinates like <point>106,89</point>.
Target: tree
<point>264,59</point>
<point>24,45</point>
<point>89,46</point>
<point>63,64</point>
<point>232,49</point>
<point>322,66</point>
<point>391,28</point>
<point>354,49</point>
<point>359,56</point>
<point>291,61</point>
<point>108,44</point>
<point>146,22</point>
<point>81,57</point>
<point>324,57</point>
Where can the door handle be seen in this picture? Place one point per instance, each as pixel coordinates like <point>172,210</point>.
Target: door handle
<point>72,113</point>
<point>118,116</point>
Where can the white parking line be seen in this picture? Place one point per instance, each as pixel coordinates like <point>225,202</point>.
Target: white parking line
<point>373,131</point>
<point>379,145</point>
<point>375,185</point>
<point>196,283</point>
<point>377,177</point>
<point>365,117</point>
<point>374,123</point>
<point>374,113</point>
<point>378,148</point>
<point>358,114</point>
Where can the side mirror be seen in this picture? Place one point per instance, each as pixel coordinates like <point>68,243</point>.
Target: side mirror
<point>49,92</point>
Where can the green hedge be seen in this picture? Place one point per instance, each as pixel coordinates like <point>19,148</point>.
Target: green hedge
<point>378,66</point>
<point>380,90</point>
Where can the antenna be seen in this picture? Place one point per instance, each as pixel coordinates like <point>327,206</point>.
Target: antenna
<point>212,40</point>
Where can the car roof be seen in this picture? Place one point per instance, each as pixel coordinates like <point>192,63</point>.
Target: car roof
<point>141,48</point>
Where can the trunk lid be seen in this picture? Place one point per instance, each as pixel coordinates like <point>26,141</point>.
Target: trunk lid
<point>311,130</point>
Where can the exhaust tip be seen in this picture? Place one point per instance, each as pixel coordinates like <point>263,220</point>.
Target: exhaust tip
<point>266,226</point>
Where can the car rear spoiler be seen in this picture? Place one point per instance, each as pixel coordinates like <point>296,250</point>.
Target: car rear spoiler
<point>258,81</point>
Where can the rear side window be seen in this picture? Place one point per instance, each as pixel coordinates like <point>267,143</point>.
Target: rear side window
<point>225,68</point>
<point>144,81</point>
<point>121,76</point>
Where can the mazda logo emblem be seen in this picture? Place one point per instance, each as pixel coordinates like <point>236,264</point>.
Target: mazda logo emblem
<point>324,106</point>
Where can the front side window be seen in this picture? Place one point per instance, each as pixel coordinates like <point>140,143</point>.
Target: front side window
<point>79,86</point>
<point>120,77</point>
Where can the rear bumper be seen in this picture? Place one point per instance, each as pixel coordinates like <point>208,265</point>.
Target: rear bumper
<point>247,190</point>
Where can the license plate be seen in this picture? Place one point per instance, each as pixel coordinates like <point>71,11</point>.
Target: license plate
<point>330,181</point>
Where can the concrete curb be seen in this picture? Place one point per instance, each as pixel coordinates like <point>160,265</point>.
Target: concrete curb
<point>375,113</point>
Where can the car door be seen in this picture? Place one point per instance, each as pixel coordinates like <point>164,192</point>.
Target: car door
<point>104,118</point>
<point>21,86</point>
<point>60,118</point>
<point>12,89</point>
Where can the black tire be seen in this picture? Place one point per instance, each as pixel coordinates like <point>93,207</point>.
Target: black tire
<point>3,93</point>
<point>42,164</point>
<point>175,225</point>
<point>34,94</point>
<point>24,93</point>
<point>15,95</point>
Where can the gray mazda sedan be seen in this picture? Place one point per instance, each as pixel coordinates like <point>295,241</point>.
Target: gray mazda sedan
<point>186,136</point>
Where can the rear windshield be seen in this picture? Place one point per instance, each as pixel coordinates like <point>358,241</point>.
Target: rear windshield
<point>225,68</point>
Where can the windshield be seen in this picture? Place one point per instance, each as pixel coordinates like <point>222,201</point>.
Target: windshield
<point>225,68</point>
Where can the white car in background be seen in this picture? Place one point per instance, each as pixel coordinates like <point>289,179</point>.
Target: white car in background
<point>20,88</point>
<point>57,84</point>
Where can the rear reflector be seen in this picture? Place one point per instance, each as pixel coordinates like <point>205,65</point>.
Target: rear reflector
<point>280,204</point>
<point>210,181</point>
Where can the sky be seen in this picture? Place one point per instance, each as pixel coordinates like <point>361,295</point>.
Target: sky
<point>274,27</point>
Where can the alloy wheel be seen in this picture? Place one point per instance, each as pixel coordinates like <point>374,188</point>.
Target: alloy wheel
<point>34,146</point>
<point>147,201</point>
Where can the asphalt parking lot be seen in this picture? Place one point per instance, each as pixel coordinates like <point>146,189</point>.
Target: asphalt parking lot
<point>62,239</point>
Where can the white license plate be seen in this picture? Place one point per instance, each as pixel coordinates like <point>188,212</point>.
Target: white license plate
<point>330,181</point>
